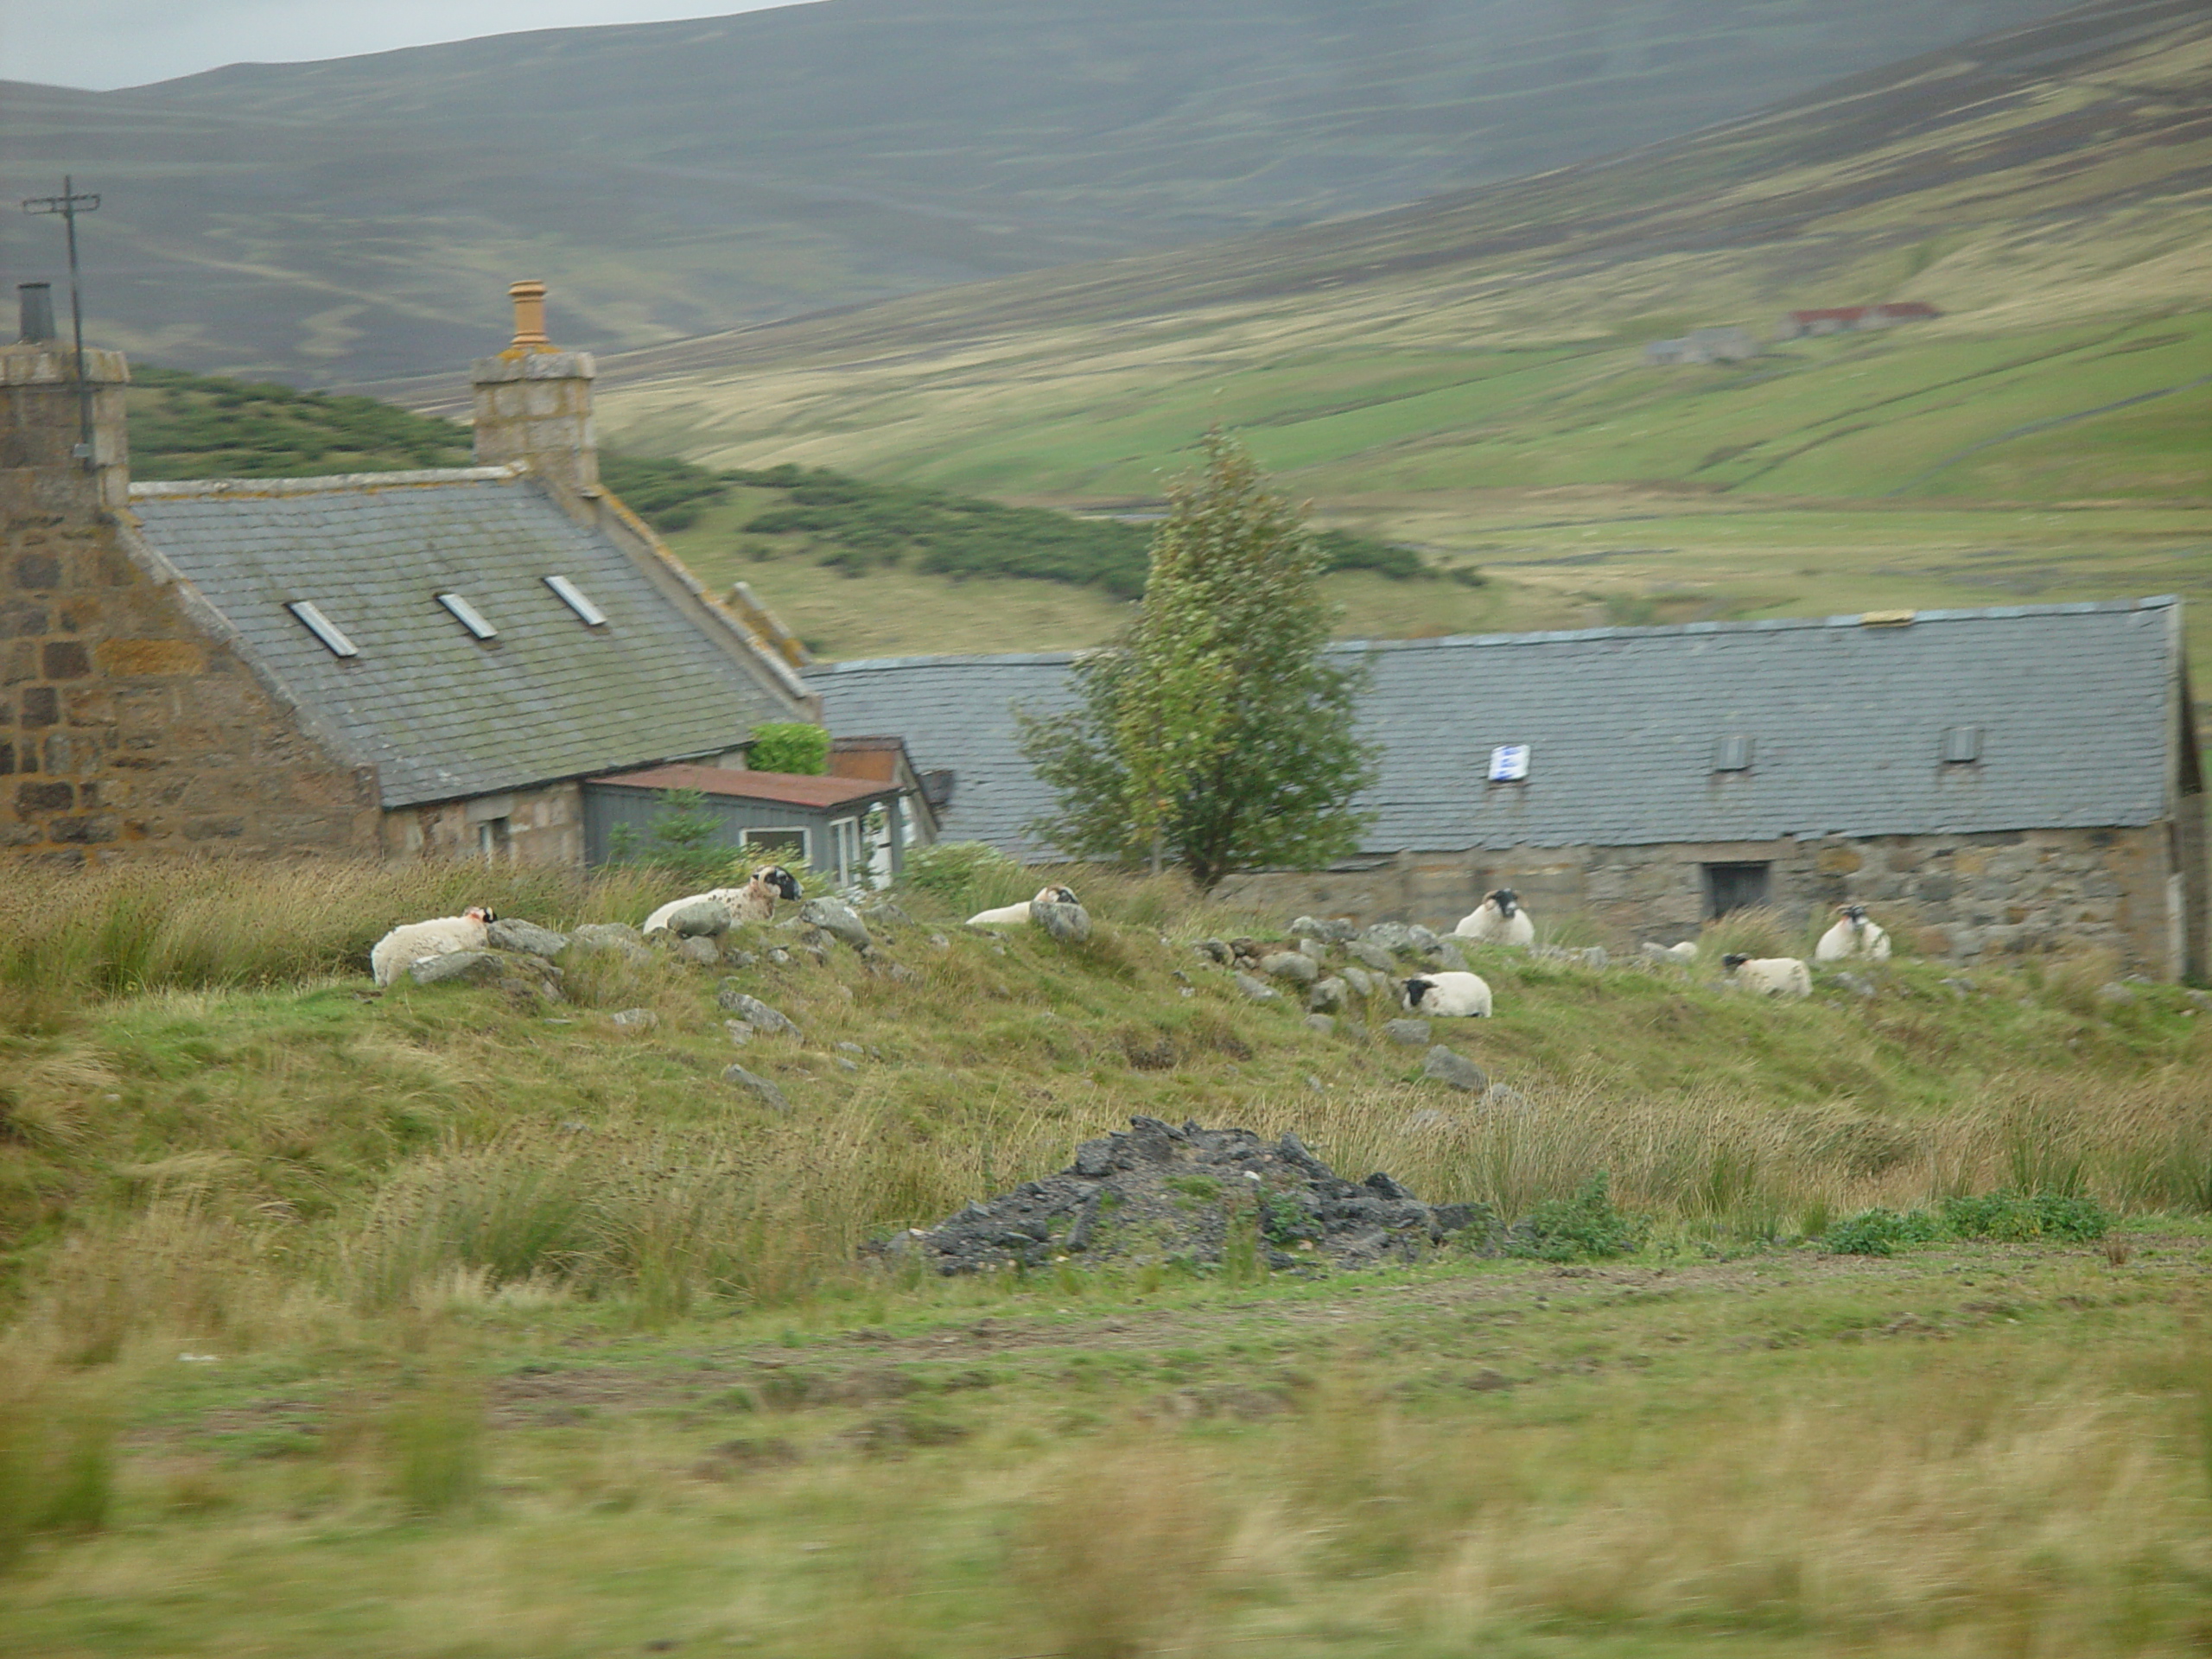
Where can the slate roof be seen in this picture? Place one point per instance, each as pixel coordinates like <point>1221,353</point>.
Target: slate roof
<point>784,788</point>
<point>439,714</point>
<point>1846,721</point>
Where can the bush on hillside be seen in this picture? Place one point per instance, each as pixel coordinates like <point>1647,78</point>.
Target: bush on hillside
<point>964,876</point>
<point>1880,1231</point>
<point>666,493</point>
<point>1585,1227</point>
<point>789,746</point>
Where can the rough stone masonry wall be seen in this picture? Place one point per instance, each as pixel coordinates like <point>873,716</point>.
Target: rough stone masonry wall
<point>1966,897</point>
<point>542,826</point>
<point>127,728</point>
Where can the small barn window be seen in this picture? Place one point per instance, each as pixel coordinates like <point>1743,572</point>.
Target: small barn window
<point>1508,763</point>
<point>1961,744</point>
<point>782,843</point>
<point>468,616</point>
<point>573,597</point>
<point>323,628</point>
<point>1735,886</point>
<point>1732,753</point>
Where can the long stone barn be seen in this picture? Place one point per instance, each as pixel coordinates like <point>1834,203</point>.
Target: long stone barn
<point>2010,780</point>
<point>391,665</point>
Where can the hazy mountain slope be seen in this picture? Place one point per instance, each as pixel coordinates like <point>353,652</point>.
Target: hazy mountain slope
<point>355,219</point>
<point>2047,188</point>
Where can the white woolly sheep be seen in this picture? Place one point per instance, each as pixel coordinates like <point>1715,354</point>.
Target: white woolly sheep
<point>1769,976</point>
<point>1018,915</point>
<point>402,947</point>
<point>753,902</point>
<point>1498,919</point>
<point>1449,996</point>
<point>1853,935</point>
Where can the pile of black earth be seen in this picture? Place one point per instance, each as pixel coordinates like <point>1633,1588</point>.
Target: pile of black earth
<point>1188,1196</point>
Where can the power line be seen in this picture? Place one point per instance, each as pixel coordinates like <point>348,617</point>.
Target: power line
<point>69,203</point>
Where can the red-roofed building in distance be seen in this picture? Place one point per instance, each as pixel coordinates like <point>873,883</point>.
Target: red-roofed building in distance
<point>1850,319</point>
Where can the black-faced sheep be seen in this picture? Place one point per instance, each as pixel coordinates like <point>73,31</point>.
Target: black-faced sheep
<point>1853,935</point>
<point>1769,976</point>
<point>1448,996</point>
<point>753,902</point>
<point>399,949</point>
<point>1498,919</point>
<point>1018,915</point>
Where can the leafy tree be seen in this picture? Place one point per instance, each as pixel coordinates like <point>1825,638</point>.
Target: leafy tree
<point>683,838</point>
<point>789,746</point>
<point>1215,734</point>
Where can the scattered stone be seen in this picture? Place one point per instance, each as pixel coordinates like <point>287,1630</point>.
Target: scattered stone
<point>1372,956</point>
<point>618,936</point>
<point>882,913</point>
<point>844,1065</point>
<point>635,1018</point>
<point>1316,1084</point>
<point>1293,965</point>
<point>1413,1033</point>
<point>1216,951</point>
<point>778,955</point>
<point>1360,981</point>
<point>1857,984</point>
<point>702,919</point>
<point>741,1034</point>
<point>699,950</point>
<point>1314,949</point>
<point>528,938</point>
<point>1326,996</point>
<point>1453,1071</point>
<point>1501,1097</point>
<point>1320,1022</point>
<point>1445,956</point>
<point>1316,927</point>
<point>1393,937</point>
<point>838,921</point>
<point>2114,992</point>
<point>1069,923</point>
<point>1155,1193</point>
<point>758,1085</point>
<point>938,942</point>
<point>1258,989</point>
<point>461,968</point>
<point>1431,1123</point>
<point>850,1048</point>
<point>752,1009</point>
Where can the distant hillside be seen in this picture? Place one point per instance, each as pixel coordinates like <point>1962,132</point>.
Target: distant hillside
<point>184,425</point>
<point>2048,189</point>
<point>347,221</point>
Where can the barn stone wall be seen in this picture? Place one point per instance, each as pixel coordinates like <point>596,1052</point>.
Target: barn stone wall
<point>128,726</point>
<point>1966,897</point>
<point>528,826</point>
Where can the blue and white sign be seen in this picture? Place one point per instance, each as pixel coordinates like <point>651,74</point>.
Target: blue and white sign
<point>1508,763</point>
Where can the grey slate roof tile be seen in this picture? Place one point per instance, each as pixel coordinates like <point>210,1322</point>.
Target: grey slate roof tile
<point>1846,720</point>
<point>441,714</point>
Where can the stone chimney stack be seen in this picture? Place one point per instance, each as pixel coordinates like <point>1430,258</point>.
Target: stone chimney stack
<point>42,474</point>
<point>533,404</point>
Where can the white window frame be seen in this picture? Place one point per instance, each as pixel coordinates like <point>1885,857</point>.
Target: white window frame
<point>573,597</point>
<point>333,637</point>
<point>845,847</point>
<point>468,616</point>
<point>805,837</point>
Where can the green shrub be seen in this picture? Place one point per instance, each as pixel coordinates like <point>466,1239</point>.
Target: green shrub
<point>1583,1226</point>
<point>1878,1231</point>
<point>789,746</point>
<point>2010,1215</point>
<point>683,839</point>
<point>958,874</point>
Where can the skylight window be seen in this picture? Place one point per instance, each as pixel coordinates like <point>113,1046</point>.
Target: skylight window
<point>1732,753</point>
<point>323,628</point>
<point>1508,763</point>
<point>1961,744</point>
<point>573,597</point>
<point>468,616</point>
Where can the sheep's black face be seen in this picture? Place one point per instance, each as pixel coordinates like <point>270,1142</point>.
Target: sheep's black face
<point>483,914</point>
<point>1734,960</point>
<point>780,879</point>
<point>1854,914</point>
<point>1063,895</point>
<point>1508,902</point>
<point>1416,989</point>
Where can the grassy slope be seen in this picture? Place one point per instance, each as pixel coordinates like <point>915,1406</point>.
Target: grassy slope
<point>1728,1444</point>
<point>1466,375</point>
<point>357,217</point>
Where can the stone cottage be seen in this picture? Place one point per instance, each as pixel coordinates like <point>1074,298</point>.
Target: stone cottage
<point>1990,781</point>
<point>394,664</point>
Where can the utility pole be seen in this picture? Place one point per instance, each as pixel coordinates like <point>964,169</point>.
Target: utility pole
<point>69,203</point>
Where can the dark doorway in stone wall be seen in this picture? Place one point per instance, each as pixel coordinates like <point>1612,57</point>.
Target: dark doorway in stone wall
<point>1735,886</point>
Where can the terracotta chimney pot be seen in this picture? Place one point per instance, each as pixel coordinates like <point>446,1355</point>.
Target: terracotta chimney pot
<point>529,317</point>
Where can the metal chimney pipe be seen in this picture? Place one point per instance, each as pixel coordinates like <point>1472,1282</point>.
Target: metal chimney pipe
<point>37,303</point>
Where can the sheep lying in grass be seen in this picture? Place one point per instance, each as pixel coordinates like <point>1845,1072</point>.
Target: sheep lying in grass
<point>1853,935</point>
<point>1498,919</point>
<point>402,947</point>
<point>1769,976</point>
<point>1018,915</point>
<point>1448,996</point>
<point>753,902</point>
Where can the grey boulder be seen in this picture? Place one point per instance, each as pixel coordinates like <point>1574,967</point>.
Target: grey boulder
<point>702,919</point>
<point>751,1009</point>
<point>1069,923</point>
<point>753,1081</point>
<point>1454,1071</point>
<point>1258,989</point>
<point>1371,955</point>
<point>838,920</point>
<point>1411,1032</point>
<point>616,937</point>
<point>1326,996</point>
<point>1316,927</point>
<point>528,938</point>
<point>460,968</point>
<point>1292,965</point>
<point>702,952</point>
